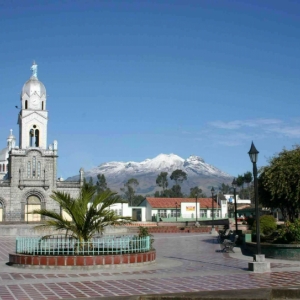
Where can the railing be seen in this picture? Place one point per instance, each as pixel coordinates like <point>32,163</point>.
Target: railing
<point>68,184</point>
<point>61,245</point>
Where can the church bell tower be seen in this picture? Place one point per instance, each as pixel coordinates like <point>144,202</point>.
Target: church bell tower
<point>33,117</point>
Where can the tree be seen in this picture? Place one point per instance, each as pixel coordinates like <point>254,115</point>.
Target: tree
<point>129,190</point>
<point>178,176</point>
<point>88,183</point>
<point>279,183</point>
<point>162,180</point>
<point>224,188</point>
<point>157,194</point>
<point>90,213</point>
<point>196,192</point>
<point>101,183</point>
<point>248,180</point>
<point>176,191</point>
<point>240,181</point>
<point>138,199</point>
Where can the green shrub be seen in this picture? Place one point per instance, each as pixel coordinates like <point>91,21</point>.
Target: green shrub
<point>289,232</point>
<point>267,225</point>
<point>143,232</point>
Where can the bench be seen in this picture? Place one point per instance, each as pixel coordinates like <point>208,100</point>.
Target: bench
<point>223,234</point>
<point>228,245</point>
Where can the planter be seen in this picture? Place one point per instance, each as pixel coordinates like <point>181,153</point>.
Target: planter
<point>26,260</point>
<point>277,251</point>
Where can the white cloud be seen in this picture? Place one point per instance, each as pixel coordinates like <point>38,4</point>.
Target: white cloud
<point>237,132</point>
<point>244,123</point>
<point>287,131</point>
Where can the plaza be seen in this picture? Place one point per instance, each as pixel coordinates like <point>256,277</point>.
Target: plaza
<point>185,263</point>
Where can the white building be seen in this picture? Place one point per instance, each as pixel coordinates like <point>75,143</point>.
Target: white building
<point>230,199</point>
<point>137,213</point>
<point>184,208</point>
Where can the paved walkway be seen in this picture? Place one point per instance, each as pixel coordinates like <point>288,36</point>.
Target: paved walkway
<point>185,263</point>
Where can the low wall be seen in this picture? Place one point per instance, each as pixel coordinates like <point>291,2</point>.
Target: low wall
<point>23,260</point>
<point>175,229</point>
<point>277,251</point>
<point>192,222</point>
<point>28,230</point>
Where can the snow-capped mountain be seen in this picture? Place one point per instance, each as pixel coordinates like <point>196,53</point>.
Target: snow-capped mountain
<point>198,172</point>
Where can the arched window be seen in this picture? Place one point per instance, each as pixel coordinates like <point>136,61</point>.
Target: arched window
<point>34,137</point>
<point>31,137</point>
<point>39,169</point>
<point>26,104</point>
<point>3,167</point>
<point>0,168</point>
<point>42,105</point>
<point>33,166</point>
<point>37,138</point>
<point>28,169</point>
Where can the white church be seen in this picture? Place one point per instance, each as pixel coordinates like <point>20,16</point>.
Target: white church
<point>28,172</point>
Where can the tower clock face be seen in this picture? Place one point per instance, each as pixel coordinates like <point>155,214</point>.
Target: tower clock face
<point>34,103</point>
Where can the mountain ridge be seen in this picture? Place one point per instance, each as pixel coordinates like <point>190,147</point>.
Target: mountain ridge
<point>199,173</point>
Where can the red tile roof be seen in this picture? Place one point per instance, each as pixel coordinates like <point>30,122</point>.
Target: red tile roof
<point>171,202</point>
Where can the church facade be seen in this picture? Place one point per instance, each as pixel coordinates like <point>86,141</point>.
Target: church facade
<point>28,172</point>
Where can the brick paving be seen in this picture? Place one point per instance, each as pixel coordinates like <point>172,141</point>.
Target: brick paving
<point>185,263</point>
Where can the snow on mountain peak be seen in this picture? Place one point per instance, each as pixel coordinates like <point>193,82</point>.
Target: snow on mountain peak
<point>146,171</point>
<point>195,159</point>
<point>161,163</point>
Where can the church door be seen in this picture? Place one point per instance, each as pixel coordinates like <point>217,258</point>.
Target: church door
<point>33,203</point>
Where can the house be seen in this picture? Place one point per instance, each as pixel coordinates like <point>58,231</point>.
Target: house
<point>184,208</point>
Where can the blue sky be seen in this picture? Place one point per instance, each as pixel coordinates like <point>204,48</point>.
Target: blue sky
<point>128,80</point>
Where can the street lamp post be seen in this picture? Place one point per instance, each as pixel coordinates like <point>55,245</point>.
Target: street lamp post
<point>253,153</point>
<point>212,208</point>
<point>234,185</point>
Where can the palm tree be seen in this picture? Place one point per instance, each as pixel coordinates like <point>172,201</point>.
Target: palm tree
<point>89,213</point>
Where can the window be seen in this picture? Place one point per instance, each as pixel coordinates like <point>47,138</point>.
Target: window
<point>162,213</point>
<point>0,168</point>
<point>39,169</point>
<point>3,167</point>
<point>26,104</point>
<point>33,166</point>
<point>203,213</point>
<point>31,136</point>
<point>37,138</point>
<point>28,169</point>
<point>42,105</point>
<point>34,137</point>
<point>173,213</point>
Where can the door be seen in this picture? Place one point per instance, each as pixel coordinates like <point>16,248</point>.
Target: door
<point>32,203</point>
